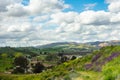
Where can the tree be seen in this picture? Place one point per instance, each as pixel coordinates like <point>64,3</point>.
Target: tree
<point>38,67</point>
<point>64,59</point>
<point>73,57</point>
<point>18,54</point>
<point>21,64</point>
<point>4,55</point>
<point>60,54</point>
<point>51,57</point>
<point>18,70</point>
<point>21,61</point>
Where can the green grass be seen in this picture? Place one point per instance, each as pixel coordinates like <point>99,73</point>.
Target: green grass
<point>111,71</point>
<point>5,63</point>
<point>75,69</point>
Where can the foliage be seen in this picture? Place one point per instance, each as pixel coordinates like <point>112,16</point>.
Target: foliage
<point>4,55</point>
<point>38,67</point>
<point>111,71</point>
<point>18,54</point>
<point>21,61</point>
<point>73,57</point>
<point>51,57</point>
<point>18,70</point>
<point>107,59</point>
<point>5,63</point>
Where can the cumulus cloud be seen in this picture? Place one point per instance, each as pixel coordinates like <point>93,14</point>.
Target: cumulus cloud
<point>44,21</point>
<point>16,10</point>
<point>94,17</point>
<point>114,5</point>
<point>46,6</point>
<point>5,3</point>
<point>20,27</point>
<point>35,7</point>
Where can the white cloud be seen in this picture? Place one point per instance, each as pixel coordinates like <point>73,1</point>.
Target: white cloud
<point>45,6</point>
<point>20,27</point>
<point>4,3</point>
<point>115,18</point>
<point>41,18</point>
<point>114,7</point>
<point>90,6</point>
<point>16,10</point>
<point>26,25</point>
<point>35,7</point>
<point>62,17</point>
<point>93,17</point>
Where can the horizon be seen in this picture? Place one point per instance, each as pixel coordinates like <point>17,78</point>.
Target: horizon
<point>59,42</point>
<point>38,22</point>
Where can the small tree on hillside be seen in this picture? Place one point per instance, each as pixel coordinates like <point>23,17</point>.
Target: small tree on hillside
<point>64,59</point>
<point>4,55</point>
<point>51,57</point>
<point>73,57</point>
<point>21,62</point>
<point>38,67</point>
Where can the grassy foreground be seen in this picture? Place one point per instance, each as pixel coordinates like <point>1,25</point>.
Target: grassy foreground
<point>100,65</point>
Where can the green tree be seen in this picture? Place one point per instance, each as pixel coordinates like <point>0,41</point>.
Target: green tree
<point>22,62</point>
<point>51,57</point>
<point>18,54</point>
<point>4,55</point>
<point>18,70</point>
<point>73,57</point>
<point>38,67</point>
<point>64,59</point>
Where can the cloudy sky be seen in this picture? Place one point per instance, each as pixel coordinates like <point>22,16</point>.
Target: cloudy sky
<point>36,22</point>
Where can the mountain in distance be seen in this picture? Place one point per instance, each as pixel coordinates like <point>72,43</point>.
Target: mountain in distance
<point>104,43</point>
<point>57,44</point>
<point>96,44</point>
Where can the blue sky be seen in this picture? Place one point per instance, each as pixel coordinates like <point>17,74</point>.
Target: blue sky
<point>37,22</point>
<point>25,2</point>
<point>78,5</point>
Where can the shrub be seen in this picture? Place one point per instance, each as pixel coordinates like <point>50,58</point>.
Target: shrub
<point>18,70</point>
<point>38,68</point>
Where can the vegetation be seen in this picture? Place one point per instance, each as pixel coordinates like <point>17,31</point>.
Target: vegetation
<point>38,67</point>
<point>21,64</point>
<point>102,64</point>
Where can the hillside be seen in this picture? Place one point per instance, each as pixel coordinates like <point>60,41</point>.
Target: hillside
<point>100,65</point>
<point>76,47</point>
<point>66,47</point>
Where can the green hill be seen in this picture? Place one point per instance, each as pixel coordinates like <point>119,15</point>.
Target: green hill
<point>103,64</point>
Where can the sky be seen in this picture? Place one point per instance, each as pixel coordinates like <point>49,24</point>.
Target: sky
<point>38,22</point>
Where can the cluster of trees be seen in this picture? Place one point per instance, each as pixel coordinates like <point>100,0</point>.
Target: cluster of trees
<point>22,65</point>
<point>60,58</point>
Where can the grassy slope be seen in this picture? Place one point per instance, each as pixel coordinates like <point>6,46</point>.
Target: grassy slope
<point>76,70</point>
<point>5,63</point>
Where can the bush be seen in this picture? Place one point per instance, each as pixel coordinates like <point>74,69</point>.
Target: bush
<point>73,57</point>
<point>18,70</point>
<point>38,68</point>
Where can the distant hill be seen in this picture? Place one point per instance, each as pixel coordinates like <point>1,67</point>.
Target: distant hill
<point>76,47</point>
<point>66,47</point>
<point>104,43</point>
<point>14,50</point>
<point>57,44</point>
